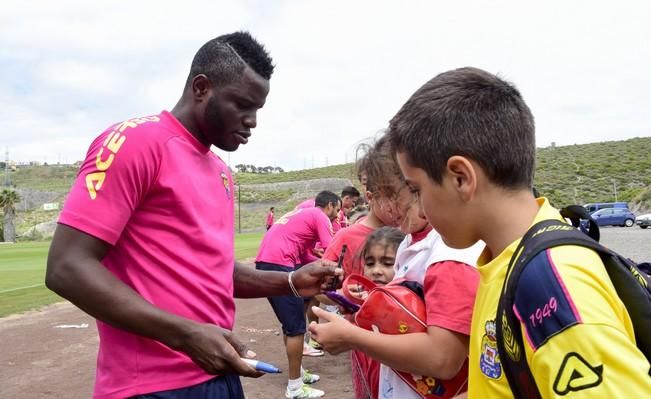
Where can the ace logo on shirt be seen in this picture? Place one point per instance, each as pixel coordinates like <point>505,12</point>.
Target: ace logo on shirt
<point>576,374</point>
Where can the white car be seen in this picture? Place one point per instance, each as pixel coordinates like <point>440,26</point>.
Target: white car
<point>643,221</point>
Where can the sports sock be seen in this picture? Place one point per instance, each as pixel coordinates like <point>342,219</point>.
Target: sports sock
<point>295,385</point>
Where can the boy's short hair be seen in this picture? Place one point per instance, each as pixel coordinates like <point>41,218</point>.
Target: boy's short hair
<point>349,191</point>
<point>472,113</point>
<point>324,198</point>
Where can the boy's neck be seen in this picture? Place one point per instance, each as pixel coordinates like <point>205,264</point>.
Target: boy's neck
<point>508,217</point>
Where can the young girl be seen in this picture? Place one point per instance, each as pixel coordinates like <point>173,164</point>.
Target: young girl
<point>376,163</point>
<point>450,281</point>
<point>378,256</point>
<point>381,171</point>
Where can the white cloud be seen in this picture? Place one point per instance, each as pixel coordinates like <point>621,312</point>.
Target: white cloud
<point>71,68</point>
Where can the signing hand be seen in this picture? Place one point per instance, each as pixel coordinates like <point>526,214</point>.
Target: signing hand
<point>315,277</point>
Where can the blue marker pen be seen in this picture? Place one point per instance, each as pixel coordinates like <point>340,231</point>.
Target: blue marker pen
<point>262,366</point>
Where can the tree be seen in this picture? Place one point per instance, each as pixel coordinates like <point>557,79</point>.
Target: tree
<point>8,198</point>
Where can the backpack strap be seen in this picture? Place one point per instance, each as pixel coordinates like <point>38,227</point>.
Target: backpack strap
<point>632,286</point>
<point>576,213</point>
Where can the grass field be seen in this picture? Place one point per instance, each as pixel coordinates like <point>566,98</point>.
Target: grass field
<point>22,273</point>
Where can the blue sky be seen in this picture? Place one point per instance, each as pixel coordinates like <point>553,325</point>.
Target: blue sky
<point>69,68</point>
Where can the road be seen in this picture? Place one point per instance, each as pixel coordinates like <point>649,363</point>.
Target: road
<point>632,242</point>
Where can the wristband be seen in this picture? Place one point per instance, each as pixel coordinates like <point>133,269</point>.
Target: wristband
<point>291,285</point>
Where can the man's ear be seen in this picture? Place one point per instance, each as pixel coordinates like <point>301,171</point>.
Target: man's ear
<point>369,196</point>
<point>201,87</point>
<point>463,176</point>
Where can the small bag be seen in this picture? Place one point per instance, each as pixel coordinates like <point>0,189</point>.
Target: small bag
<point>399,308</point>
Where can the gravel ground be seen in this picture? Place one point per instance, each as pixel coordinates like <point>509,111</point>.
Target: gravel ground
<point>632,242</point>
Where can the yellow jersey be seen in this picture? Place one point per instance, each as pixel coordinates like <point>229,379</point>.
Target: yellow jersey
<point>578,337</point>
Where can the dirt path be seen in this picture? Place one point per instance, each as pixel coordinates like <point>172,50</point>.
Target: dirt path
<point>51,354</point>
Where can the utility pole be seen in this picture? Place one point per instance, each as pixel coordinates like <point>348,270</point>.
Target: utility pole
<point>7,167</point>
<point>615,188</point>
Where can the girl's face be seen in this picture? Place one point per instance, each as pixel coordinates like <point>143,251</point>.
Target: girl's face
<point>391,210</point>
<point>378,263</point>
<point>414,220</point>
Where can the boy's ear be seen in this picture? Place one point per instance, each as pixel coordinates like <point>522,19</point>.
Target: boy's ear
<point>464,176</point>
<point>369,195</point>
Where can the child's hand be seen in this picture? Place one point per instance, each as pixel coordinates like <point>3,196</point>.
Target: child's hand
<point>357,291</point>
<point>333,335</point>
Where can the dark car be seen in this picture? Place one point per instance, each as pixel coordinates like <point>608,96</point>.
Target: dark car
<point>614,217</point>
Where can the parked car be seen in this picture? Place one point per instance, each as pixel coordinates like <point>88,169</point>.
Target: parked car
<point>593,207</point>
<point>643,221</point>
<point>614,217</point>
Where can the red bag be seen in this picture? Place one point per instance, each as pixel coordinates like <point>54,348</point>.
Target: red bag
<point>397,309</point>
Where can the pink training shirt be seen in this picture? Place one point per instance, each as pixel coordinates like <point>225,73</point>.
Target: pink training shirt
<point>294,235</point>
<point>165,204</point>
<point>308,203</point>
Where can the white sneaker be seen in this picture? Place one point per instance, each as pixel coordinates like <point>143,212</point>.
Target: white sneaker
<point>310,351</point>
<point>306,391</point>
<point>309,378</point>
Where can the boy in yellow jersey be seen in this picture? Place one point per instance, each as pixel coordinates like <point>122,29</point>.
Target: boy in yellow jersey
<point>465,143</point>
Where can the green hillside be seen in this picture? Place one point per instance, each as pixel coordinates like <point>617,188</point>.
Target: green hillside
<point>54,178</point>
<point>566,175</point>
<point>345,171</point>
<point>594,172</point>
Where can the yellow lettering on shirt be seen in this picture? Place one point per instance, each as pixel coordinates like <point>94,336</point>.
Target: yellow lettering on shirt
<point>116,142</point>
<point>125,125</point>
<point>285,218</point>
<point>112,143</point>
<point>94,182</point>
<point>101,164</point>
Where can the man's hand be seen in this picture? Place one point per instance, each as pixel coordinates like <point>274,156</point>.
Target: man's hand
<point>316,277</point>
<point>217,351</point>
<point>334,335</point>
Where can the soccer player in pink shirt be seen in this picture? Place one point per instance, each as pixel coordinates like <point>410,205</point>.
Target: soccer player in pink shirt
<point>283,249</point>
<point>145,242</point>
<point>270,218</point>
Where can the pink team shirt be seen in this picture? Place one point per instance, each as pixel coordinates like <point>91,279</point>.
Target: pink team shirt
<point>336,224</point>
<point>294,235</point>
<point>165,204</point>
<point>308,203</point>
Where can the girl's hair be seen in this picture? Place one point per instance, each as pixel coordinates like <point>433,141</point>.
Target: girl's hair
<point>389,236</point>
<point>380,166</point>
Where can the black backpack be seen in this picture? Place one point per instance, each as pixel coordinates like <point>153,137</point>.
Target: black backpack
<point>633,287</point>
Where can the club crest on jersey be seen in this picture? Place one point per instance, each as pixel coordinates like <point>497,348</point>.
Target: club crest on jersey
<point>489,361</point>
<point>227,185</point>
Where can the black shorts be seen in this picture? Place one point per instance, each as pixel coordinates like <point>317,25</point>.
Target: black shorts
<point>225,386</point>
<point>289,309</point>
